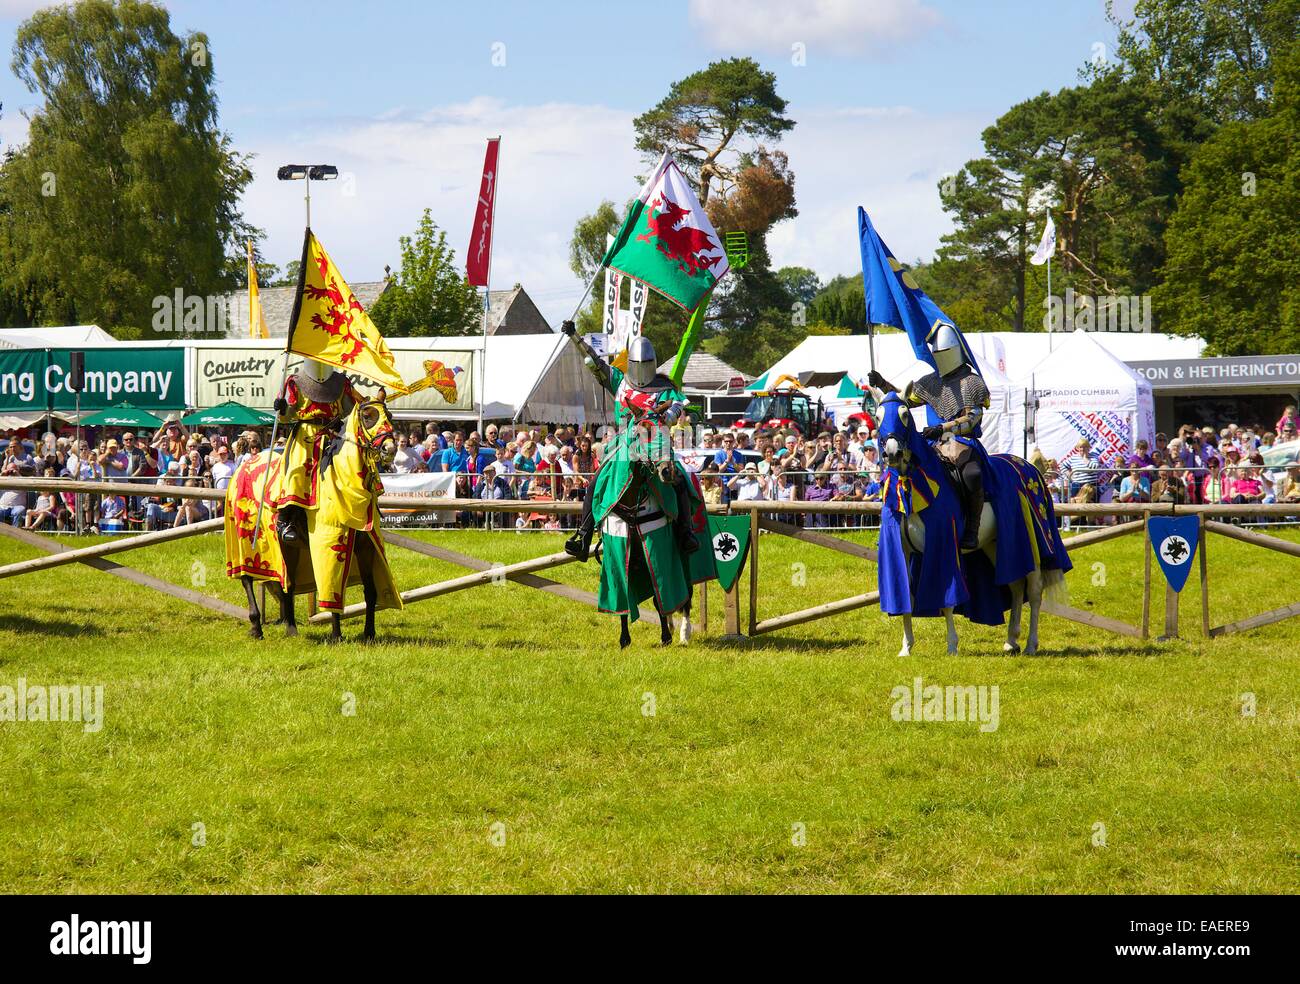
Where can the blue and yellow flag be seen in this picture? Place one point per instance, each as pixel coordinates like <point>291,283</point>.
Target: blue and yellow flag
<point>893,297</point>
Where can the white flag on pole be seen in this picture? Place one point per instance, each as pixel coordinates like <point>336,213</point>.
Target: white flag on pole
<point>1046,246</point>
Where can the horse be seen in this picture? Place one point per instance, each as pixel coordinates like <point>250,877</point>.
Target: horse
<point>344,545</point>
<point>640,558</point>
<point>922,569</point>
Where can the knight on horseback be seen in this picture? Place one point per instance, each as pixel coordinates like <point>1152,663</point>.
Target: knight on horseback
<point>647,405</point>
<point>959,396</point>
<point>314,397</point>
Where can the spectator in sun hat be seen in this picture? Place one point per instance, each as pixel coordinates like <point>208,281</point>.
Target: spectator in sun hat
<point>114,460</point>
<point>746,485</point>
<point>494,484</point>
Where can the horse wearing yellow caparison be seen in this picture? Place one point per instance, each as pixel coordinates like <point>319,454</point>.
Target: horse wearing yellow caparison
<point>344,544</point>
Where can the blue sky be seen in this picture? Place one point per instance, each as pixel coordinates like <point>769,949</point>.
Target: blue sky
<point>892,95</point>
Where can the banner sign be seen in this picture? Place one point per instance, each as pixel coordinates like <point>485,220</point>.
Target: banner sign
<point>1246,371</point>
<point>478,257</point>
<point>431,485</point>
<point>147,378</point>
<point>22,380</point>
<point>252,376</point>
<point>247,376</point>
<point>1174,539</point>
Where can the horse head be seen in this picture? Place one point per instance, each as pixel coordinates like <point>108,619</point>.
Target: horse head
<point>370,427</point>
<point>896,434</point>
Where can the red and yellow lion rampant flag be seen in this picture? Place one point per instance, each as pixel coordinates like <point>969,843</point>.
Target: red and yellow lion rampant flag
<point>330,325</point>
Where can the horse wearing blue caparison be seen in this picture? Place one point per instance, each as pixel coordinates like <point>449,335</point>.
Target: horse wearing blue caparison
<point>922,569</point>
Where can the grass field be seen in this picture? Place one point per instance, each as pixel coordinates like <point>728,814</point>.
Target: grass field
<point>499,741</point>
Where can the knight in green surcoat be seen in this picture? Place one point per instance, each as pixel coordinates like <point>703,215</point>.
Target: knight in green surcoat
<point>647,405</point>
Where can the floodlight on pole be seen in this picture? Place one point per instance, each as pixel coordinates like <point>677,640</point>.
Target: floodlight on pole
<point>310,173</point>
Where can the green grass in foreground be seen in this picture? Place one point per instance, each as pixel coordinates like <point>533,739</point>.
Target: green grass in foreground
<point>504,705</point>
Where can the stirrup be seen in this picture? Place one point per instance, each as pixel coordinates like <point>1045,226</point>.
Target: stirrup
<point>578,545</point>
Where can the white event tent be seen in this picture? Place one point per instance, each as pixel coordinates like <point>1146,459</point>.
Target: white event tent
<point>1084,390</point>
<point>897,363</point>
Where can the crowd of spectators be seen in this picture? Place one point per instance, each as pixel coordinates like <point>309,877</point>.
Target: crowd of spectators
<point>171,456</point>
<point>1196,465</point>
<point>557,463</point>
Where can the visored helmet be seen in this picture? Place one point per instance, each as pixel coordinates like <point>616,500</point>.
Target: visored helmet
<point>945,346</point>
<point>641,362</point>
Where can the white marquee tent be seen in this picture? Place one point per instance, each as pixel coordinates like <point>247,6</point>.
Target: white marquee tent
<point>898,363</point>
<point>68,336</point>
<point>1086,391</point>
<point>1007,361</point>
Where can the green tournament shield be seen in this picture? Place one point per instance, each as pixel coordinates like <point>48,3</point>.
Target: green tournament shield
<point>729,542</point>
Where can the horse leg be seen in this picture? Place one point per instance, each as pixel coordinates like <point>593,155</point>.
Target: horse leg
<point>1035,585</point>
<point>952,631</point>
<point>908,637</point>
<point>665,625</point>
<point>624,636</point>
<point>684,633</point>
<point>1012,645</point>
<point>254,615</point>
<point>336,630</point>
<point>287,616</point>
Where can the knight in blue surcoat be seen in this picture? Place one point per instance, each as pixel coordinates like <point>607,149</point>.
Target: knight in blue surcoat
<point>957,394</point>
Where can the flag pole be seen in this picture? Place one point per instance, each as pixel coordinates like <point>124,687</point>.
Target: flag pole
<point>1050,319</point>
<point>487,290</point>
<point>284,375</point>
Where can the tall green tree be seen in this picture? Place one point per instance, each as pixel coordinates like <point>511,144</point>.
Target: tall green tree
<point>127,189</point>
<point>431,295</point>
<point>1215,58</point>
<point>711,119</point>
<point>1096,156</point>
<point>721,125</point>
<point>1233,270</point>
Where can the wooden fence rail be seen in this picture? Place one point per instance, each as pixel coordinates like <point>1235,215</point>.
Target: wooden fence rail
<point>766,518</point>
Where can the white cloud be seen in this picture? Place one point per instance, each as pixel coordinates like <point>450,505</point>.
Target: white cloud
<point>841,26</point>
<point>889,160</point>
<point>557,162</point>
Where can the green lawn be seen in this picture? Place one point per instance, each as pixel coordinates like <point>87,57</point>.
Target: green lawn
<point>504,713</point>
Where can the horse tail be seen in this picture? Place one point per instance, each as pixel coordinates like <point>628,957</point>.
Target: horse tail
<point>1055,589</point>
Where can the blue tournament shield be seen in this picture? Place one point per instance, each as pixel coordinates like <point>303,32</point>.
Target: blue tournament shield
<point>1174,539</point>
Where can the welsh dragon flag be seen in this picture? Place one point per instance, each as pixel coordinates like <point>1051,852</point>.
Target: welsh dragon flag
<point>667,241</point>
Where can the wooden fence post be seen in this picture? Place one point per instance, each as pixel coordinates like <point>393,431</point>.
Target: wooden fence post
<point>1146,577</point>
<point>753,570</point>
<point>1205,580</point>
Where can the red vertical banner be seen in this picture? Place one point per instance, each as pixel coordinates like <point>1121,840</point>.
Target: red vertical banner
<point>478,258</point>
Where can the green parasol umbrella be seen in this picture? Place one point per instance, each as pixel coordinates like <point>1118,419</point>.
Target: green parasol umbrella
<point>229,414</point>
<point>122,415</point>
